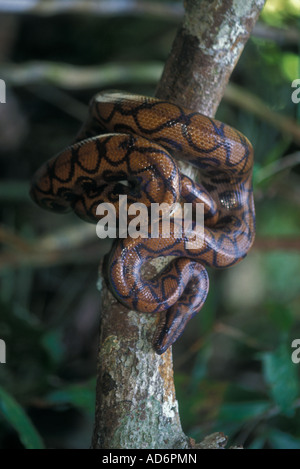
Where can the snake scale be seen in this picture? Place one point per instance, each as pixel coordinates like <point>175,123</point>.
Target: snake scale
<point>138,140</point>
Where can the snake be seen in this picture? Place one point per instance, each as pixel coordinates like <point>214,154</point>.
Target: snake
<point>131,145</point>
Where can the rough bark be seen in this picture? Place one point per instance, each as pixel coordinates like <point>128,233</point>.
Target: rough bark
<point>136,405</point>
<point>206,50</point>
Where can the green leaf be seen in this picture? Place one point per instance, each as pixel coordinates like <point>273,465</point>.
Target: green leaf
<point>280,315</point>
<point>18,419</point>
<point>242,411</point>
<point>283,271</point>
<point>290,65</point>
<point>258,443</point>
<point>52,342</point>
<point>280,374</point>
<point>81,396</point>
<point>281,440</point>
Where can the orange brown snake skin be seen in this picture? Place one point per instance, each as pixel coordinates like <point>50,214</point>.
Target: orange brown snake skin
<point>129,137</point>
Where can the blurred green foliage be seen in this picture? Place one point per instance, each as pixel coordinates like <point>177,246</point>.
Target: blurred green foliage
<point>233,368</point>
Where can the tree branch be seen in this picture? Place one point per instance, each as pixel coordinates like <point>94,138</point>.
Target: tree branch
<point>136,404</point>
<point>96,7</point>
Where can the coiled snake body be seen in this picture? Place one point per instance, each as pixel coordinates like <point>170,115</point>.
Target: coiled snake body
<point>131,138</point>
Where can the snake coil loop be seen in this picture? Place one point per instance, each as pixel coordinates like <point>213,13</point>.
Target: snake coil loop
<point>131,138</point>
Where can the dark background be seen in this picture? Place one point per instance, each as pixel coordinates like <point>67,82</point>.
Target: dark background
<point>233,367</point>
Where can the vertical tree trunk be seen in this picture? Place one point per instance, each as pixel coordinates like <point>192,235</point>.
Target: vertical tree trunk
<point>136,405</point>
